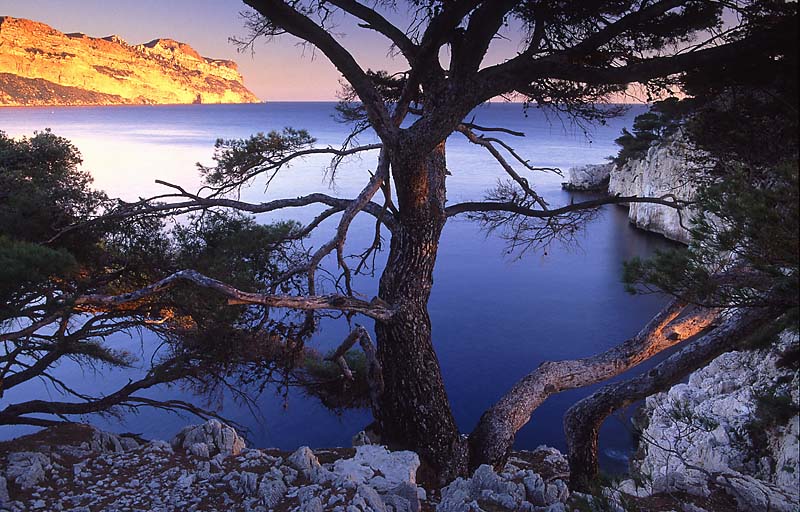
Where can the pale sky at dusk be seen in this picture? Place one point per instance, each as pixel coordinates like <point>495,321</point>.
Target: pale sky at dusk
<point>277,71</point>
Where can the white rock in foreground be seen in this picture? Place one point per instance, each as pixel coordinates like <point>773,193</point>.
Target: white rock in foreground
<point>382,469</point>
<point>216,436</point>
<point>513,489</point>
<point>27,469</point>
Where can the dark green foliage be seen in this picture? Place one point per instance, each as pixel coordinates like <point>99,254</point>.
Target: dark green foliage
<point>43,270</point>
<point>774,408</point>
<point>324,380</point>
<point>233,247</point>
<point>25,266</point>
<point>753,223</point>
<point>662,120</point>
<point>238,161</point>
<point>42,190</point>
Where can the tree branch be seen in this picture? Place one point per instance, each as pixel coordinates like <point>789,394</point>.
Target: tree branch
<point>583,420</point>
<point>522,182</point>
<point>375,309</point>
<point>338,240</point>
<point>374,21</point>
<point>489,206</point>
<point>146,207</point>
<point>494,435</point>
<point>521,71</point>
<point>292,21</point>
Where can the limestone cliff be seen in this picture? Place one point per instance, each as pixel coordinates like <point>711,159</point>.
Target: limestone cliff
<point>42,66</point>
<point>667,168</point>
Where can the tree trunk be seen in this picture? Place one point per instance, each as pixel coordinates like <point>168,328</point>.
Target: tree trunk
<point>414,410</point>
<point>583,420</point>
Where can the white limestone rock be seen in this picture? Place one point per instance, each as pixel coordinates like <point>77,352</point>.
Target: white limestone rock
<point>667,168</point>
<point>707,424</point>
<point>218,437</point>
<point>272,489</point>
<point>303,459</point>
<point>107,442</point>
<point>4,497</point>
<point>510,490</point>
<point>371,498</point>
<point>391,468</point>
<point>28,468</point>
<point>588,177</point>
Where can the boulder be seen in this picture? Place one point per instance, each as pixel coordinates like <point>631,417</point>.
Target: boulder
<point>382,469</point>
<point>28,468</point>
<point>107,442</point>
<point>218,438</point>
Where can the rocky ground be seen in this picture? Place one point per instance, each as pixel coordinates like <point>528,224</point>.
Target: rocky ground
<point>728,439</point>
<point>207,467</point>
<point>733,428</point>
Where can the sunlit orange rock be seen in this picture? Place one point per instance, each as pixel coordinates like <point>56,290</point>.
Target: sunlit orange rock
<point>42,66</point>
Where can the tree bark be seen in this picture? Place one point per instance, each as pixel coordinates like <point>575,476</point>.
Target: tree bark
<point>414,410</point>
<point>583,420</point>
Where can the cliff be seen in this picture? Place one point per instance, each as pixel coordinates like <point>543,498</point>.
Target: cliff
<point>42,66</point>
<point>667,168</point>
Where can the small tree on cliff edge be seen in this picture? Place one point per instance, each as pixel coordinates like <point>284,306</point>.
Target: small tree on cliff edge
<point>573,56</point>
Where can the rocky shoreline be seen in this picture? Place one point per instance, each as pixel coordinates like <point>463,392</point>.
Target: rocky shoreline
<point>41,66</point>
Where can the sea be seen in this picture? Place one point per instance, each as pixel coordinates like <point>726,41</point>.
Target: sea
<point>496,314</point>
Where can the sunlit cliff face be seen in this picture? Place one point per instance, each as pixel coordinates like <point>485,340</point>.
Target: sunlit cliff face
<point>42,66</point>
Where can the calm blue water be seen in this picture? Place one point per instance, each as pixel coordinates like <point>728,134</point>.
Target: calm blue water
<point>495,317</point>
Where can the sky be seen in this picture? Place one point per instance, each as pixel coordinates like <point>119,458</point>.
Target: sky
<point>280,70</point>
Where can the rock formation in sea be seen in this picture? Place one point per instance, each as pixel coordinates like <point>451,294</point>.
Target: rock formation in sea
<point>589,177</point>
<point>42,66</point>
<point>666,169</point>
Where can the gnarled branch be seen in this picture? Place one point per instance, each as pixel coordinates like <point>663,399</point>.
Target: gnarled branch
<point>510,207</point>
<point>583,420</point>
<point>375,309</point>
<point>492,439</point>
<point>294,22</point>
